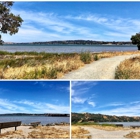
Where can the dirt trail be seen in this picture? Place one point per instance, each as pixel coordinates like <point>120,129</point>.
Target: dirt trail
<point>101,69</point>
<point>103,134</point>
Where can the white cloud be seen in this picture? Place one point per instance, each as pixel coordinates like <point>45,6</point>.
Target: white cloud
<point>78,100</point>
<point>42,107</point>
<point>91,103</point>
<point>126,110</point>
<point>26,106</point>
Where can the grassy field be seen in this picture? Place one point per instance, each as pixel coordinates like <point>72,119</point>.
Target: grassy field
<point>128,69</point>
<point>33,65</point>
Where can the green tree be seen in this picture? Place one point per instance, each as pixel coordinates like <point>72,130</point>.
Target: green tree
<point>9,23</point>
<point>136,40</point>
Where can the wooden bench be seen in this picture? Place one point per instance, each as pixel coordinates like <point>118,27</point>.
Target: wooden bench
<point>9,124</point>
<point>34,124</point>
<point>134,126</point>
<point>119,125</point>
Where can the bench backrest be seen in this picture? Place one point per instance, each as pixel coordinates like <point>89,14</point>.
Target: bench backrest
<point>9,124</point>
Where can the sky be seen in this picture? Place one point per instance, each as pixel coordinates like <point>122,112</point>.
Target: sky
<point>120,98</point>
<point>101,21</point>
<point>34,97</point>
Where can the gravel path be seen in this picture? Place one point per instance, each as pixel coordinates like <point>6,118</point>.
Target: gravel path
<point>101,69</point>
<point>103,134</point>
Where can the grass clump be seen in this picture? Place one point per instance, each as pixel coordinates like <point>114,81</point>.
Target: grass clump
<point>96,57</point>
<point>128,69</point>
<point>85,57</point>
<point>80,133</point>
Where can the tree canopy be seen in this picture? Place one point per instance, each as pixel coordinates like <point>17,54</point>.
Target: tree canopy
<point>9,23</point>
<point>136,40</point>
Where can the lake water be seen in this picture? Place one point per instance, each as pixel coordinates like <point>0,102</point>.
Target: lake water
<point>28,119</point>
<point>125,124</point>
<point>67,48</point>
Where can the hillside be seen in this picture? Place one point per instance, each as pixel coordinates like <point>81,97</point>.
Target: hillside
<point>88,117</point>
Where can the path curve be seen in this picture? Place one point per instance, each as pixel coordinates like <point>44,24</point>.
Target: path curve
<point>101,69</point>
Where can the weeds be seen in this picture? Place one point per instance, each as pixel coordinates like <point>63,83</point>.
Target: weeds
<point>96,57</point>
<point>85,57</point>
<point>128,69</point>
<point>34,65</point>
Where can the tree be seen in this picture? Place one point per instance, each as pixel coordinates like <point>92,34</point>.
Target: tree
<point>136,40</point>
<point>9,23</point>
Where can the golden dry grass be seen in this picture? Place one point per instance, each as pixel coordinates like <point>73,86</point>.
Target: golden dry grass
<point>47,66</point>
<point>43,132</point>
<point>129,69</point>
<point>79,133</point>
<point>13,134</point>
<point>133,135</point>
<point>39,132</point>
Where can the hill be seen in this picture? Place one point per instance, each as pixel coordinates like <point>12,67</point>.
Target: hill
<point>88,117</point>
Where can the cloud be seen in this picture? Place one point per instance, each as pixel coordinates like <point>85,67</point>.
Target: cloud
<point>80,87</point>
<point>91,103</point>
<point>43,107</point>
<point>26,106</point>
<point>78,100</point>
<point>126,110</point>
<point>7,106</point>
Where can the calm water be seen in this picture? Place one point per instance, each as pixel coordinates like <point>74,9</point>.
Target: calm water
<point>28,119</point>
<point>67,48</point>
<point>125,124</point>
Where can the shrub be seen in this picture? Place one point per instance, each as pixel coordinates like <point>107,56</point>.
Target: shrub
<point>85,57</point>
<point>96,57</point>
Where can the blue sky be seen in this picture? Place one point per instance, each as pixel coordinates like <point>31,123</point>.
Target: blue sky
<point>34,97</point>
<point>47,21</point>
<point>106,97</point>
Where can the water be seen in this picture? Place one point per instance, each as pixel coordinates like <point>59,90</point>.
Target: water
<point>28,119</point>
<point>67,48</point>
<point>125,124</point>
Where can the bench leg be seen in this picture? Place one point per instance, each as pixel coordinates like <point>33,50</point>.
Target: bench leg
<point>15,128</point>
<point>0,131</point>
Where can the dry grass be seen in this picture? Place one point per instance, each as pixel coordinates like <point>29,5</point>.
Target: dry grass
<point>128,69</point>
<point>13,134</point>
<point>39,68</point>
<point>134,135</point>
<point>39,132</point>
<point>49,133</point>
<point>111,54</point>
<point>47,66</point>
<point>79,133</point>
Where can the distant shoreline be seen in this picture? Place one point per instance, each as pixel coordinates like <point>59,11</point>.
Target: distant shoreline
<point>76,42</point>
<point>45,114</point>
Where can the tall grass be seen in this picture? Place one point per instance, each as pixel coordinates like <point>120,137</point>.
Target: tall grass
<point>42,65</point>
<point>85,57</point>
<point>128,69</point>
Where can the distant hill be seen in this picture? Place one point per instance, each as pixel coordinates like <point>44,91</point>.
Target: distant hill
<point>45,114</point>
<point>88,117</point>
<point>77,42</point>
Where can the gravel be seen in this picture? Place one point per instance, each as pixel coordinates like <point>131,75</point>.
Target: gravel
<point>101,69</point>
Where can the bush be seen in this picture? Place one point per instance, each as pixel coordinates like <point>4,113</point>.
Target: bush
<point>85,57</point>
<point>96,57</point>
